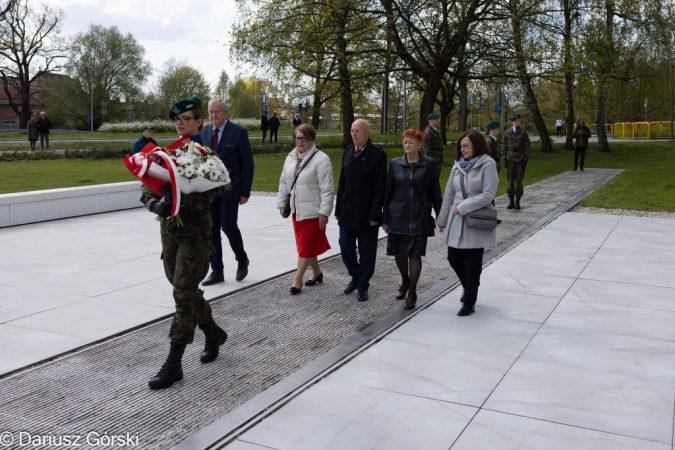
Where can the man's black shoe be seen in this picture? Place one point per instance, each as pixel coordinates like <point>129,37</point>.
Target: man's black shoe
<point>351,287</point>
<point>172,369</point>
<point>242,270</point>
<point>213,279</point>
<point>362,296</point>
<point>466,310</point>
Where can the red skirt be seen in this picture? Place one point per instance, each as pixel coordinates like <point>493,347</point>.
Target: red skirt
<point>309,238</point>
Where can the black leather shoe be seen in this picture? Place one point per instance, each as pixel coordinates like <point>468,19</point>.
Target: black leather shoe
<point>318,279</point>
<point>466,310</point>
<point>351,287</point>
<point>362,296</point>
<point>410,302</point>
<point>172,369</point>
<point>402,292</point>
<point>213,279</point>
<point>242,270</point>
<point>295,291</point>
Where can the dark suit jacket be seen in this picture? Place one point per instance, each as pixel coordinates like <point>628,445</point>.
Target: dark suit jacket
<point>234,150</point>
<point>360,194</point>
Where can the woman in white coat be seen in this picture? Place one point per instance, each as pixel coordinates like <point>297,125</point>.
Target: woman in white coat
<point>466,245</point>
<point>311,202</point>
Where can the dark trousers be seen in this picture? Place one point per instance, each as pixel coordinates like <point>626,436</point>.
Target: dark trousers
<point>274,134</point>
<point>579,151</point>
<point>361,270</point>
<point>468,265</point>
<point>43,137</point>
<point>186,263</point>
<point>225,214</point>
<point>264,135</point>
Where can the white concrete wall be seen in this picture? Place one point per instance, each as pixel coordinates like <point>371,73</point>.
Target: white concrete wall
<point>39,206</point>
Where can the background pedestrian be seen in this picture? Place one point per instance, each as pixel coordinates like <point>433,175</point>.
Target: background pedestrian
<point>32,131</point>
<point>582,134</point>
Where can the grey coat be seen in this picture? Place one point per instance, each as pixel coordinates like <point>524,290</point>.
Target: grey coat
<point>481,186</point>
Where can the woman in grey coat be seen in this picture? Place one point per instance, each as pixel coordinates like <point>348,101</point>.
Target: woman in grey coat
<point>466,245</point>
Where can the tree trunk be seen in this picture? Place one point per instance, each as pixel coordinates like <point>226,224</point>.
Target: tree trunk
<point>569,74</point>
<point>434,80</point>
<point>606,70</point>
<point>526,81</point>
<point>346,105</point>
<point>463,102</point>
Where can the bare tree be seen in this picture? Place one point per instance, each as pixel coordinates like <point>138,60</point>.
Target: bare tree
<point>28,39</point>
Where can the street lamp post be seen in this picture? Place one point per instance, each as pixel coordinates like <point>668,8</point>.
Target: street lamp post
<point>672,72</point>
<point>91,96</point>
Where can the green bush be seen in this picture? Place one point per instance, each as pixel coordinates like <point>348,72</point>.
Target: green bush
<point>165,126</point>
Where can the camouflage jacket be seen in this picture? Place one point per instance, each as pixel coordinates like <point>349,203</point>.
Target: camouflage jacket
<point>195,212</point>
<point>493,145</point>
<point>433,143</point>
<point>516,145</point>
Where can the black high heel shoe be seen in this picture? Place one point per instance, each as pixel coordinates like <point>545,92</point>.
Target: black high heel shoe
<point>402,292</point>
<point>318,279</point>
<point>295,290</point>
<point>410,302</point>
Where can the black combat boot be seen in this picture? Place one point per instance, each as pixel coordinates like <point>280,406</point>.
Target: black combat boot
<point>172,369</point>
<point>518,201</point>
<point>215,337</point>
<point>511,205</point>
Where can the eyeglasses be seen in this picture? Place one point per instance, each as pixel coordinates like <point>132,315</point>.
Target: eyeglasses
<point>465,146</point>
<point>302,139</point>
<point>183,119</point>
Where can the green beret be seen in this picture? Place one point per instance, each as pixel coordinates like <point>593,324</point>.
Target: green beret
<point>515,117</point>
<point>433,116</point>
<point>492,125</point>
<point>182,106</point>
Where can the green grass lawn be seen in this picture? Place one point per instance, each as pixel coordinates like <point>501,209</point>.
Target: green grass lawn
<point>646,184</point>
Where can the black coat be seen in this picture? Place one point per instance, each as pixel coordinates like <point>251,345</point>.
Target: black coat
<point>44,125</point>
<point>274,123</point>
<point>360,194</point>
<point>405,212</point>
<point>264,123</point>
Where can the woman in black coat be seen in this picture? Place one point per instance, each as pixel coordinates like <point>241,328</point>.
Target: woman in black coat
<point>412,191</point>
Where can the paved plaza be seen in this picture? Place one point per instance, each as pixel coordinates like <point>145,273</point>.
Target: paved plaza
<point>570,346</point>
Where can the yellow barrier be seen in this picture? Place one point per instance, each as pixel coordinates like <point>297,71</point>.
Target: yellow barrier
<point>642,130</point>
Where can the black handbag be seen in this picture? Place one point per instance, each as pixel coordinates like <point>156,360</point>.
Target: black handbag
<point>287,205</point>
<point>484,219</point>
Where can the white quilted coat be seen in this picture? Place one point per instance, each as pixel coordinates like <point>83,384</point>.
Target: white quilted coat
<point>314,192</point>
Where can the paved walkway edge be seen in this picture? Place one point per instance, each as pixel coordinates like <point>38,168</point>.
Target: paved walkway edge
<point>227,428</point>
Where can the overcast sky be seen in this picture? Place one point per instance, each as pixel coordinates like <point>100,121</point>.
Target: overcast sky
<point>194,30</point>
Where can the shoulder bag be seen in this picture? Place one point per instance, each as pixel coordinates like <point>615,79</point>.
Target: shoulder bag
<point>287,205</point>
<point>484,219</point>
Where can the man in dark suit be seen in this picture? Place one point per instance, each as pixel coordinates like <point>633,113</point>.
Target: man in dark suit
<point>358,206</point>
<point>231,142</point>
<point>264,125</point>
<point>274,127</point>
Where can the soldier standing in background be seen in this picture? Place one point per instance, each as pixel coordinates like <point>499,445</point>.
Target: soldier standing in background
<point>493,144</point>
<point>433,142</point>
<point>516,155</point>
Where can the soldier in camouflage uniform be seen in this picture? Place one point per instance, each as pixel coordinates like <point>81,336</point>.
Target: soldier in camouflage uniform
<point>516,155</point>
<point>493,144</point>
<point>186,250</point>
<point>433,142</point>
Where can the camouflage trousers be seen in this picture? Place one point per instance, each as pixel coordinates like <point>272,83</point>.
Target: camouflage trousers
<point>186,263</point>
<point>514,175</point>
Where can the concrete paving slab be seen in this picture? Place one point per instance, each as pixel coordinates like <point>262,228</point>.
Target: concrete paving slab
<point>593,383</point>
<point>491,430</point>
<point>648,274</point>
<point>93,319</point>
<point>623,294</point>
<point>505,305</point>
<point>22,346</point>
<point>519,279</point>
<point>436,326</point>
<point>18,302</point>
<point>340,416</point>
<point>458,376</point>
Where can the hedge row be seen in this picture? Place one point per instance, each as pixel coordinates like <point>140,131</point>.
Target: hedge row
<point>121,152</point>
<point>165,126</point>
